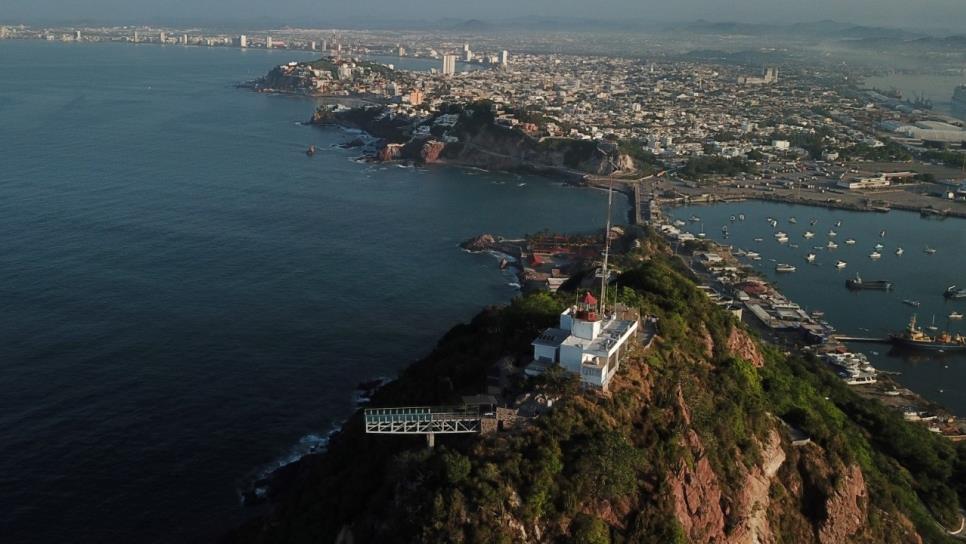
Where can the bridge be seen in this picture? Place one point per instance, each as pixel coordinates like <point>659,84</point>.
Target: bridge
<point>425,420</point>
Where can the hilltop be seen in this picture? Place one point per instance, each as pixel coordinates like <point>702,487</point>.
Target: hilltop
<point>706,435</point>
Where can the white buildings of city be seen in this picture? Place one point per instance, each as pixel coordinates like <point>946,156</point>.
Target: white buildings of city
<point>586,343</point>
<point>449,65</point>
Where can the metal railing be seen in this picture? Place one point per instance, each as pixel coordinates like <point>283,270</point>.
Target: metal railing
<point>422,420</point>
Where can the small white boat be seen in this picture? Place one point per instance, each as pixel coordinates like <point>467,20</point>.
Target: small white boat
<point>914,303</point>
<point>753,256</point>
<point>781,234</point>
<point>840,264</point>
<point>810,257</point>
<point>733,219</point>
<point>838,223</point>
<point>882,234</point>
<point>929,251</point>
<point>875,255</point>
<point>782,239</point>
<point>813,221</point>
<point>759,240</point>
<point>792,220</point>
<point>955,315</point>
<point>900,251</point>
<point>741,217</point>
<point>831,245</point>
<point>784,268</point>
<point>808,235</point>
<point>879,246</point>
<point>679,223</point>
<point>832,233</point>
<point>850,242</point>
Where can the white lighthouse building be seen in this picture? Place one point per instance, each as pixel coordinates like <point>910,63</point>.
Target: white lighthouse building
<point>586,343</point>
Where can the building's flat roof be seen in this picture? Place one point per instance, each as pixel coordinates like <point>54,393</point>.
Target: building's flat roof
<point>606,342</point>
<point>552,337</point>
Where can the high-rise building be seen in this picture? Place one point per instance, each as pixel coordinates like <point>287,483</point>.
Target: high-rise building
<point>77,35</point>
<point>184,39</point>
<point>468,56</point>
<point>449,65</point>
<point>504,58</point>
<point>268,42</point>
<point>243,41</point>
<point>135,36</point>
<point>312,46</point>
<point>402,51</point>
<point>325,45</point>
<point>162,37</point>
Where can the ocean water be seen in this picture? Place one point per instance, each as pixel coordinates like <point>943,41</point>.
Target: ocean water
<point>820,286</point>
<point>188,299</point>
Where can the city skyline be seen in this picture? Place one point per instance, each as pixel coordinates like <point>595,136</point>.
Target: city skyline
<point>932,14</point>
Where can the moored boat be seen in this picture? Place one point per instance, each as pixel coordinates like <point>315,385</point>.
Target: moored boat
<point>784,268</point>
<point>914,338</point>
<point>857,283</point>
<point>840,264</point>
<point>955,293</point>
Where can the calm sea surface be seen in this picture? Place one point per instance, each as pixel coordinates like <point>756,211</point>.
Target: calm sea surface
<point>820,286</point>
<point>187,299</point>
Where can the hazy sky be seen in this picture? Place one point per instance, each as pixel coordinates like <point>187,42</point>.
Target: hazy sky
<point>905,13</point>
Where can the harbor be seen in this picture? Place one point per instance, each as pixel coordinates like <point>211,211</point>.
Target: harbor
<point>757,260</point>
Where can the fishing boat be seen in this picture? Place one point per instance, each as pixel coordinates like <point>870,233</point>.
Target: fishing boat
<point>810,257</point>
<point>913,303</point>
<point>808,235</point>
<point>929,251</point>
<point>955,293</point>
<point>831,245</point>
<point>850,242</point>
<point>857,284</point>
<point>875,255</point>
<point>840,264</point>
<point>914,338</point>
<point>900,251</point>
<point>784,268</point>
<point>955,316</point>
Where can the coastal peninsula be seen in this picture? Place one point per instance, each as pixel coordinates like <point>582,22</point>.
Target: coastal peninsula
<point>705,434</point>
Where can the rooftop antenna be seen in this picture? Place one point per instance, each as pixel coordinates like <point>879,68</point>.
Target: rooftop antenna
<point>603,279</point>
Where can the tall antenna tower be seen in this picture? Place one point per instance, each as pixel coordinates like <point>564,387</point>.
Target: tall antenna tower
<point>603,278</point>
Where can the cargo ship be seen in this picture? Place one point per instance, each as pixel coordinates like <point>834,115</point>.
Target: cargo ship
<point>914,338</point>
<point>857,283</point>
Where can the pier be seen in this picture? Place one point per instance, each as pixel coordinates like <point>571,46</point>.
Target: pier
<point>864,339</point>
